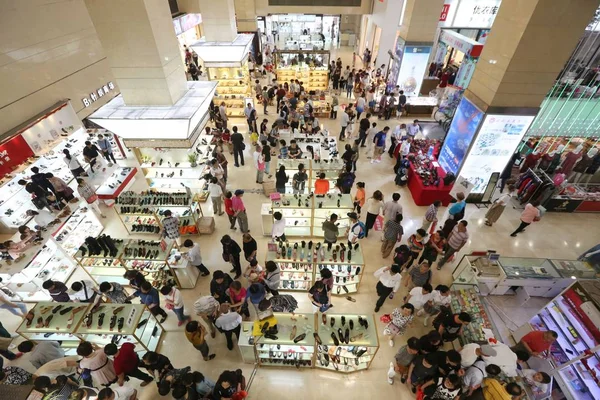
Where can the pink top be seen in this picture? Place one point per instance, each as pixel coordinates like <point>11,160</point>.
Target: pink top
<point>529,213</point>
<point>237,204</point>
<point>559,179</point>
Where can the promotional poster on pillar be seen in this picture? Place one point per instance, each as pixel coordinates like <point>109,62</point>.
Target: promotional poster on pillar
<point>464,126</point>
<point>414,64</point>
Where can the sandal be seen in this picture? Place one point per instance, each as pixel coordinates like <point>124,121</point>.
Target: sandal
<point>100,320</point>
<point>351,299</point>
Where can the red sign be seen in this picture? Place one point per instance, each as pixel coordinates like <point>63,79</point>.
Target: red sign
<point>444,14</point>
<point>13,152</point>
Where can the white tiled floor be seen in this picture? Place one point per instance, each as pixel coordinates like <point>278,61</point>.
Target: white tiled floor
<point>556,236</point>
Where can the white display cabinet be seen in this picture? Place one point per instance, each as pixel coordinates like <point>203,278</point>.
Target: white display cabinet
<point>339,204</point>
<point>297,210</point>
<point>296,264</point>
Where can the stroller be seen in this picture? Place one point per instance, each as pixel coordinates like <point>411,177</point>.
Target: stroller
<point>402,172</point>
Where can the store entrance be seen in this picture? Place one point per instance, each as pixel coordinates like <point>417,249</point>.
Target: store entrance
<point>303,31</point>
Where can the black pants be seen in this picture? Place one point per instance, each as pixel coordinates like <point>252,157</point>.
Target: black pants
<point>357,207</point>
<point>237,265</point>
<point>362,137</point>
<point>333,114</point>
<point>413,257</point>
<point>272,291</point>
<point>521,228</point>
<point>279,101</point>
<point>383,292</point>
<point>392,148</point>
<point>109,156</point>
<point>343,133</point>
<point>369,222</point>
<point>229,336</point>
<point>238,152</point>
<point>202,269</point>
<point>156,310</point>
<point>502,184</point>
<point>232,219</point>
<point>136,373</point>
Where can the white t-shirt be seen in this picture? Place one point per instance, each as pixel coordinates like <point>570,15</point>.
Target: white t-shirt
<point>353,232</point>
<point>215,190</point>
<point>505,358</point>
<point>257,158</point>
<point>468,355</point>
<point>175,298</point>
<point>360,103</point>
<point>57,367</point>
<point>43,218</point>
<point>504,199</point>
<point>440,300</point>
<point>417,298</point>
<point>528,375</point>
<point>122,392</point>
<point>278,227</point>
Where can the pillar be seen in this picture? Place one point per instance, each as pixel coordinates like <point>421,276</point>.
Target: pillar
<point>419,20</point>
<point>218,20</point>
<point>245,12</point>
<point>139,40</point>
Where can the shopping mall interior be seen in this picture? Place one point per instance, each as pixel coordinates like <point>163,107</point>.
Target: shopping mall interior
<point>424,221</point>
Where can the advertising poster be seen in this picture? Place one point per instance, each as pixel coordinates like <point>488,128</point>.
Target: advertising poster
<point>397,60</point>
<point>464,125</point>
<point>494,145</point>
<point>465,72</point>
<point>412,69</point>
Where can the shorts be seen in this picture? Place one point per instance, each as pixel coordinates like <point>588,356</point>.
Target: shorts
<point>379,150</point>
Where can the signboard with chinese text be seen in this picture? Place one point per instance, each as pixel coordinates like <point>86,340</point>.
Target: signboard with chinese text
<point>476,13</point>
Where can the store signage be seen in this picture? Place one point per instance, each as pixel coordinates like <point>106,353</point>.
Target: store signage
<point>462,129</point>
<point>465,72</point>
<point>461,43</point>
<point>445,10</point>
<point>412,69</point>
<point>87,101</point>
<point>493,147</point>
<point>476,13</point>
<point>13,152</point>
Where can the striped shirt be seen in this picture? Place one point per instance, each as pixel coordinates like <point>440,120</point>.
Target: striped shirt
<point>415,245</point>
<point>431,213</point>
<point>457,239</point>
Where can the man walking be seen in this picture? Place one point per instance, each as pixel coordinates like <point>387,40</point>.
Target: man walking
<point>457,239</point>
<point>229,322</point>
<point>223,114</point>
<point>239,210</point>
<point>392,208</point>
<point>126,363</point>
<point>388,284</point>
<point>196,335</point>
<point>431,215</point>
<point>106,149</point>
<point>363,127</point>
<point>237,140</point>
<point>345,122</point>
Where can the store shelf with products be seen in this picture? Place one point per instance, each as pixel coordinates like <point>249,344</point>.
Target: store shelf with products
<point>339,204</point>
<point>295,263</point>
<point>81,224</point>
<point>481,327</point>
<point>150,258</point>
<point>234,88</point>
<point>100,257</point>
<point>314,78</point>
<point>116,183</point>
<point>347,267</point>
<point>351,355</point>
<point>324,149</point>
<point>48,321</point>
<point>121,323</point>
<point>297,210</point>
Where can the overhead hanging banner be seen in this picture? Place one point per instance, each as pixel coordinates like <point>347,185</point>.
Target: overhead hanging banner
<point>493,147</point>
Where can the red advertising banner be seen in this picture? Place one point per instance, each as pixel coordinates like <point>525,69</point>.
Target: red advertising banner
<point>444,13</point>
<point>12,153</point>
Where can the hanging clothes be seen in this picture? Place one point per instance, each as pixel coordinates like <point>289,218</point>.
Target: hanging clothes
<point>530,162</point>
<point>583,164</point>
<point>553,164</point>
<point>594,165</point>
<point>570,160</point>
<point>545,162</point>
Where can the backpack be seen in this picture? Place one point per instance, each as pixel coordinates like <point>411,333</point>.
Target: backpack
<point>363,229</point>
<point>348,180</point>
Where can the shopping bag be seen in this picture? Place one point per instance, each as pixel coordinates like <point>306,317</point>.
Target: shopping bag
<point>385,318</point>
<point>378,226</point>
<point>419,395</point>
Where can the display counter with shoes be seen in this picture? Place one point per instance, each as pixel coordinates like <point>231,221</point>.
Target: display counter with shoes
<point>339,204</point>
<point>153,259</point>
<point>296,262</point>
<point>101,256</point>
<point>121,323</point>
<point>307,66</point>
<point>72,233</point>
<point>297,209</point>
<point>347,266</point>
<point>481,327</point>
<point>52,321</point>
<point>346,342</point>
<point>117,182</point>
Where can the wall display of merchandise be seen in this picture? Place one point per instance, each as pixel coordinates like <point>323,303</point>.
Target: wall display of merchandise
<point>142,213</point>
<point>574,358</point>
<point>321,107</point>
<point>305,30</point>
<point>72,323</point>
<point>16,200</point>
<point>305,213</point>
<point>340,342</point>
<point>307,66</point>
<point>174,168</point>
<point>235,88</point>
<point>324,148</point>
<point>291,344</point>
<point>301,262</point>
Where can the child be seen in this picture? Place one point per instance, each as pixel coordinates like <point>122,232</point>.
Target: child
<point>283,150</point>
<point>253,271</point>
<point>359,197</point>
<point>226,137</point>
<point>537,380</point>
<point>404,357</point>
<point>254,138</point>
<point>174,302</point>
<point>401,318</point>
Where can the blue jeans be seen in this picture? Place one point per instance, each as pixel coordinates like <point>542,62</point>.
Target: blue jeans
<point>180,316</point>
<point>12,309</point>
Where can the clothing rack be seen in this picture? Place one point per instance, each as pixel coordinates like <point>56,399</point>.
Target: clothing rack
<point>531,185</point>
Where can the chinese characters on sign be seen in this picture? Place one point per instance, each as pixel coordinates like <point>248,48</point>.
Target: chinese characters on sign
<point>482,10</point>
<point>476,13</point>
<point>97,94</point>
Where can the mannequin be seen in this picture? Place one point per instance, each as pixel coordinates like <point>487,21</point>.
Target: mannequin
<point>551,160</point>
<point>531,160</point>
<point>594,166</point>
<point>570,160</point>
<point>582,165</point>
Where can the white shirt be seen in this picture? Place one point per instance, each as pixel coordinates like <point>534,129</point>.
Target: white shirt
<point>405,148</point>
<point>468,354</point>
<point>278,227</point>
<point>122,392</point>
<point>86,292</point>
<point>440,300</point>
<point>257,158</point>
<point>387,279</point>
<point>504,199</point>
<point>374,206</point>
<point>43,218</point>
<point>360,103</point>
<point>194,255</point>
<point>57,367</point>
<point>217,171</point>
<point>345,119</point>
<point>413,129</point>
<point>175,298</point>
<point>417,298</point>
<point>215,190</point>
<point>228,321</point>
<point>72,163</point>
<point>371,134</point>
<point>505,358</point>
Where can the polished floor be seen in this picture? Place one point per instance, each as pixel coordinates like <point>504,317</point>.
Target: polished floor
<point>555,236</point>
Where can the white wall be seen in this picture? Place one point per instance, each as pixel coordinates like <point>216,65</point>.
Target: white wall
<point>386,16</point>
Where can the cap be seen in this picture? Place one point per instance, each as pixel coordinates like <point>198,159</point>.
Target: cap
<point>353,215</point>
<point>238,192</point>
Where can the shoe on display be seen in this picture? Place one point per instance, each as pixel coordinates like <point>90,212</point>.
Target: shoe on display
<point>335,339</point>
<point>391,343</point>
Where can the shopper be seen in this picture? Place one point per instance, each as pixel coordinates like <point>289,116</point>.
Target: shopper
<point>237,140</point>
<point>322,184</point>
<point>536,343</point>
<point>106,149</point>
<point>91,154</point>
<point>255,294</point>
<point>450,325</point>
<point>228,385</point>
<point>57,290</point>
<point>388,284</point>
<point>237,296</point>
<point>363,127</point>
<point>114,292</point>
<point>222,162</point>
<point>223,114</point>
<point>272,278</point>
<point>229,322</point>
<point>401,319</point>
<point>170,225</point>
<point>149,296</point>
<point>195,257</point>
<point>299,180</point>
<point>60,188</point>
<point>530,214</point>
<point>440,298</point>
<point>497,208</point>
<point>239,210</point>
<point>346,179</point>
<point>434,246</point>
<point>5,339</point>
<point>278,229</point>
<point>331,230</point>
<point>374,207</point>
<point>392,208</point>
<point>126,363</point>
<point>42,352</point>
<point>418,276</point>
<point>231,253</point>
<point>43,219</point>
<point>457,210</point>
<point>217,171</point>
<point>14,376</point>
<point>196,335</point>
<point>355,231</point>
<point>84,291</point>
<point>431,215</point>
<point>41,197</point>
<point>379,142</point>
<point>359,197</point>
<point>416,243</point>
<point>74,165</point>
<point>347,116</point>
<point>413,129</point>
<point>219,286</point>
<point>13,307</point>
<point>404,357</point>
<point>117,393</point>
<point>422,369</point>
<point>294,152</point>
<point>157,364</point>
<point>228,203</point>
<point>392,234</point>
<point>419,296</point>
<point>58,388</point>
<point>216,195</point>
<point>443,387</point>
<point>320,297</point>
<point>474,375</point>
<point>101,367</point>
<point>253,272</point>
<point>266,154</point>
<point>259,163</point>
<point>456,241</point>
<point>174,302</point>
<point>430,343</point>
<point>281,179</point>
<point>88,193</point>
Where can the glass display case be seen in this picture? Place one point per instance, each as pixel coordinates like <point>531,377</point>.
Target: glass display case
<point>346,265</point>
<point>121,323</point>
<point>105,267</point>
<point>340,204</point>
<point>51,321</point>
<point>153,259</point>
<point>81,224</point>
<point>234,88</point>
<point>295,260</point>
<point>468,300</point>
<point>351,355</point>
<point>297,210</point>
<point>308,66</point>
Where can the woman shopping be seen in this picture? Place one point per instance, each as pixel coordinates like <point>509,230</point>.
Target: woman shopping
<point>88,193</point>
<point>374,208</point>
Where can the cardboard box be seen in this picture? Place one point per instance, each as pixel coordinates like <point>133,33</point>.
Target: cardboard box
<point>206,225</point>
<point>269,187</point>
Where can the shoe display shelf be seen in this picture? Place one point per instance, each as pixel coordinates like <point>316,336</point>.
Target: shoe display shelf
<point>291,167</point>
<point>142,213</point>
<point>80,225</point>
<point>349,342</point>
<point>314,78</point>
<point>347,267</point>
<point>295,260</point>
<point>48,321</point>
<point>103,264</point>
<point>120,180</point>
<point>339,204</point>
<point>321,107</point>
<point>119,324</point>
<point>297,209</point>
<point>324,147</point>
<point>234,88</point>
<point>288,342</point>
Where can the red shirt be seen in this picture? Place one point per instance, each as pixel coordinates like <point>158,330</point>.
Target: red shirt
<point>127,360</point>
<point>535,341</point>
<point>228,206</point>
